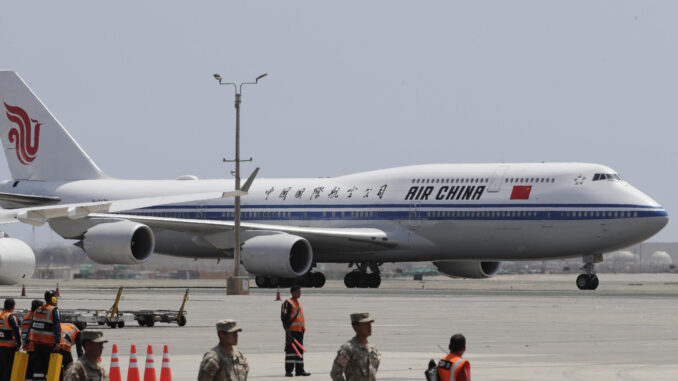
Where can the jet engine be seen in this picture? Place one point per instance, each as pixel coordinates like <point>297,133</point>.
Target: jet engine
<point>17,261</point>
<point>119,242</point>
<point>468,269</point>
<point>278,255</point>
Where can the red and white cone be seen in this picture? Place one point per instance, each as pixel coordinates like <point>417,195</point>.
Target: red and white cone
<point>277,294</point>
<point>23,290</point>
<point>133,371</point>
<point>165,372</point>
<point>149,372</point>
<point>114,372</point>
<point>58,294</point>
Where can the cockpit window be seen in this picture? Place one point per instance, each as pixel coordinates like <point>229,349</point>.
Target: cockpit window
<point>606,176</point>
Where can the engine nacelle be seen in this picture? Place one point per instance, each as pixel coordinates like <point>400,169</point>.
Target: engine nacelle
<point>468,269</point>
<point>119,242</point>
<point>17,261</point>
<point>280,255</point>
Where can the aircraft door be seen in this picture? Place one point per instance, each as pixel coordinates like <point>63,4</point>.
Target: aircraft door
<point>414,217</point>
<point>497,178</point>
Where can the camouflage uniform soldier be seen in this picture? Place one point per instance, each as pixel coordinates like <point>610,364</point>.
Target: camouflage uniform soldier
<point>224,362</point>
<point>87,368</point>
<point>357,360</point>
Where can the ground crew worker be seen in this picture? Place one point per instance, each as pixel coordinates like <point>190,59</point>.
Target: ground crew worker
<point>294,324</point>
<point>10,339</point>
<point>70,334</point>
<point>224,362</point>
<point>357,360</point>
<point>87,367</point>
<point>25,326</point>
<point>452,367</point>
<point>45,334</point>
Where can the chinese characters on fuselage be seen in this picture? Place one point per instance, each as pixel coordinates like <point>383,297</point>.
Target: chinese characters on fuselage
<point>335,192</point>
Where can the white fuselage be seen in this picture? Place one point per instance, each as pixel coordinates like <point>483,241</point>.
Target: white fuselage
<point>431,212</point>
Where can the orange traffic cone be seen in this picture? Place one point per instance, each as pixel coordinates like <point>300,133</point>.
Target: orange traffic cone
<point>133,371</point>
<point>58,294</point>
<point>277,294</point>
<point>149,372</point>
<point>165,372</point>
<point>114,372</point>
<point>23,290</point>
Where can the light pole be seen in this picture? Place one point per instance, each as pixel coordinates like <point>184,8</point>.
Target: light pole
<point>237,285</point>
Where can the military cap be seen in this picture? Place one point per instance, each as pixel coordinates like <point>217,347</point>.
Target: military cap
<point>228,325</point>
<point>93,336</point>
<point>362,317</point>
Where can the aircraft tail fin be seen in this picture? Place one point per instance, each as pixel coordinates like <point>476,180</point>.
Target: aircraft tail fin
<point>36,145</point>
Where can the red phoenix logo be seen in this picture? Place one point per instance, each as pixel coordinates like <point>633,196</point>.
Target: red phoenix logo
<point>26,145</point>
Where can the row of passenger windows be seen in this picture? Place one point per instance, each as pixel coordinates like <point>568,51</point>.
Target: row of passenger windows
<point>449,181</point>
<point>606,176</point>
<point>491,214</point>
<point>530,180</point>
<point>367,214</point>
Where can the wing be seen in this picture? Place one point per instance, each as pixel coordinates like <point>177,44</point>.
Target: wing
<point>348,238</point>
<point>38,215</point>
<point>17,200</point>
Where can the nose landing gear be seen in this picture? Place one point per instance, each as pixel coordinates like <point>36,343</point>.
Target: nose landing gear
<point>359,278</point>
<point>589,280</point>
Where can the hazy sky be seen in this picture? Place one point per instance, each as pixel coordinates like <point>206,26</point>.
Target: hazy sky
<point>357,85</point>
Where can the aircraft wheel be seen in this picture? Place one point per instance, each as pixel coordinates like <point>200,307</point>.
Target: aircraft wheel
<point>306,280</point>
<point>101,323</point>
<point>318,280</point>
<point>261,281</point>
<point>112,325</point>
<point>350,280</point>
<point>150,323</point>
<point>121,324</point>
<point>363,280</point>
<point>182,321</point>
<point>141,323</point>
<point>584,282</point>
<point>594,282</point>
<point>273,282</point>
<point>374,280</point>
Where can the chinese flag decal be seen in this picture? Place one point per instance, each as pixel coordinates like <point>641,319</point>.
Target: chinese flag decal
<point>521,192</point>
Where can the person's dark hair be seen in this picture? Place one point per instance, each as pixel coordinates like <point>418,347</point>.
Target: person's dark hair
<point>35,304</point>
<point>294,288</point>
<point>457,342</point>
<point>9,303</point>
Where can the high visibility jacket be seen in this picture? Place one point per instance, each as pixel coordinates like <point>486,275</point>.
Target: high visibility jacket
<point>42,327</point>
<point>297,322</point>
<point>454,368</point>
<point>25,325</point>
<point>69,333</point>
<point>7,338</point>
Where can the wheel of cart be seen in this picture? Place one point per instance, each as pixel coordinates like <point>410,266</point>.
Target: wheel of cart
<point>182,321</point>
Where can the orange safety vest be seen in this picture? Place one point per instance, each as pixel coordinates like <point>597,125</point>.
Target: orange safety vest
<point>25,325</point>
<point>450,365</point>
<point>7,338</point>
<point>298,323</point>
<point>69,332</point>
<point>42,328</point>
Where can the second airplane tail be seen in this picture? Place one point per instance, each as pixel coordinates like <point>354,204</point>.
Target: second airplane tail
<point>36,145</point>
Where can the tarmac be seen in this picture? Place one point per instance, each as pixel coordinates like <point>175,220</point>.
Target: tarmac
<point>518,327</point>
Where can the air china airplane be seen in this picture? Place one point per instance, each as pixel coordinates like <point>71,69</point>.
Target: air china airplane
<point>465,218</point>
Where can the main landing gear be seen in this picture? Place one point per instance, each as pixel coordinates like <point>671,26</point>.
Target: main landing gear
<point>315,280</point>
<point>361,279</point>
<point>589,280</point>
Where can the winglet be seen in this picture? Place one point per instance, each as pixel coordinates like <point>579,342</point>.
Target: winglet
<point>250,180</point>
